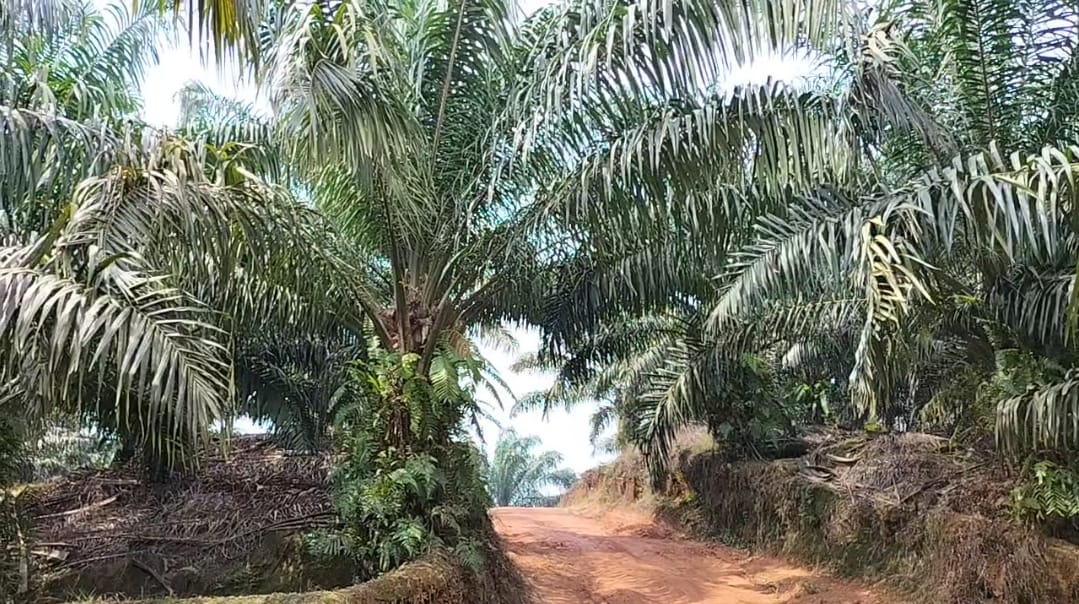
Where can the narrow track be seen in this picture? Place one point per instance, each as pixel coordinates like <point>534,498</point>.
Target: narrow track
<point>619,557</point>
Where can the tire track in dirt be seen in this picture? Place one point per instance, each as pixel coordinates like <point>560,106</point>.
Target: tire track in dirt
<point>573,556</point>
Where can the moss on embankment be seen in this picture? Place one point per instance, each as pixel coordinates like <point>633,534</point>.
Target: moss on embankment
<point>930,522</point>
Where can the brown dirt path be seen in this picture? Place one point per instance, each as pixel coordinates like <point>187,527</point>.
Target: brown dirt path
<point>575,556</point>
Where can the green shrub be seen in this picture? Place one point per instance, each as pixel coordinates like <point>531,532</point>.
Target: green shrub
<point>1049,495</point>
<point>407,479</point>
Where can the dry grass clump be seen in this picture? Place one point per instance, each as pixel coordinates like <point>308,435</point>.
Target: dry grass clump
<point>972,559</point>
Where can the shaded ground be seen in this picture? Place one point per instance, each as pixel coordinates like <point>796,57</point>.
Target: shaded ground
<point>575,556</point>
<point>231,528</point>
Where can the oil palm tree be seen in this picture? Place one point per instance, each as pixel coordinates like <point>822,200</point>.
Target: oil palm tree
<point>975,252</point>
<point>517,474</point>
<point>926,247</point>
<point>661,185</point>
<point>395,119</point>
<point>471,167</point>
<point>132,260</point>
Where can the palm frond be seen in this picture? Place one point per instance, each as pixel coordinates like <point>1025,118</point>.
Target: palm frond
<point>163,351</point>
<point>229,27</point>
<point>1044,417</point>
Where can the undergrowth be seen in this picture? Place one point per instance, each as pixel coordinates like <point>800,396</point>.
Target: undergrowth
<point>406,480</point>
<point>1048,495</point>
<point>935,550</point>
<point>12,550</point>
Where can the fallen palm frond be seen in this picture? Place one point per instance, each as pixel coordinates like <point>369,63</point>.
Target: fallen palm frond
<point>929,518</point>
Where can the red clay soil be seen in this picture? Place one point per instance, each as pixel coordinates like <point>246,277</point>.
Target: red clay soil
<point>577,556</point>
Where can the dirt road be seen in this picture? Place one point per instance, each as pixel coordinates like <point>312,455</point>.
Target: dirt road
<point>619,557</point>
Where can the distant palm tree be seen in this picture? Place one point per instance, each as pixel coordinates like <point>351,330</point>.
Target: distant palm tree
<point>518,474</point>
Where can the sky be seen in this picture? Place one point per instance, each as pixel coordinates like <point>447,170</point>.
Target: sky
<point>563,431</point>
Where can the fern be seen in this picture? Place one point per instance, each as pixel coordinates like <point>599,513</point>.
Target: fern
<point>1050,496</point>
<point>405,482</point>
<point>471,552</point>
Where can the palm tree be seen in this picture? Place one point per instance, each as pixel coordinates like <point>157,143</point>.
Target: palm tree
<point>458,212</point>
<point>132,260</point>
<point>229,27</point>
<point>378,126</point>
<point>948,261</point>
<point>299,384</point>
<point>517,475</point>
<point>915,239</point>
<point>394,119</point>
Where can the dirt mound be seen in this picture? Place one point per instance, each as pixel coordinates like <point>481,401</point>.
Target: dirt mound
<point>909,509</point>
<point>626,481</point>
<point>231,528</point>
<point>623,481</point>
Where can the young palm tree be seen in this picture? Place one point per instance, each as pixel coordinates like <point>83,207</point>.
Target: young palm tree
<point>517,474</point>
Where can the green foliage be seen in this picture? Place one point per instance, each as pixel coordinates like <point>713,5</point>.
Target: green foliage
<point>749,410</point>
<point>298,385</point>
<point>816,401</point>
<point>1049,494</point>
<point>406,479</point>
<point>136,265</point>
<point>932,237</point>
<point>888,243</point>
<point>11,450</point>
